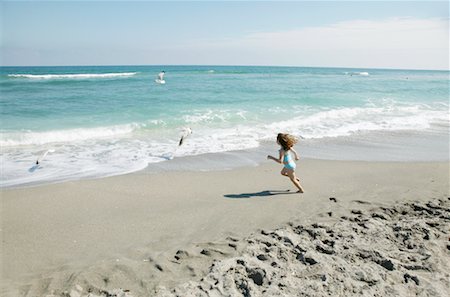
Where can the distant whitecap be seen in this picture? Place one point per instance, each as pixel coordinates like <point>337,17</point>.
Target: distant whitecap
<point>73,76</point>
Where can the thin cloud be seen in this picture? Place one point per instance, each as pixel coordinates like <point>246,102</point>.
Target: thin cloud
<point>394,42</point>
<point>397,33</point>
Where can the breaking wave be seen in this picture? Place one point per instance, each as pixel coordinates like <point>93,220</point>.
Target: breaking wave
<point>73,76</point>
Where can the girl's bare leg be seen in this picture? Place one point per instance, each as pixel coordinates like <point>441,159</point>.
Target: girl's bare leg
<point>284,173</point>
<point>295,180</point>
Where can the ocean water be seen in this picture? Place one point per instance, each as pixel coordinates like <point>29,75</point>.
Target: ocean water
<point>109,120</point>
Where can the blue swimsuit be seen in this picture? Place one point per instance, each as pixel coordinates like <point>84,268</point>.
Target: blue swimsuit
<point>288,162</point>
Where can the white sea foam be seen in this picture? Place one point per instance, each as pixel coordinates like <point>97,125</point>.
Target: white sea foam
<point>73,76</point>
<point>73,161</point>
<point>345,121</point>
<point>105,151</point>
<point>358,73</point>
<point>63,136</point>
<point>211,116</point>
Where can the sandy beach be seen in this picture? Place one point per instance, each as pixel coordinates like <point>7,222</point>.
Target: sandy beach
<point>241,232</point>
<point>142,145</point>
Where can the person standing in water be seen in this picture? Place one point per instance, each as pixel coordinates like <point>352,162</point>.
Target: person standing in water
<point>287,142</point>
<point>161,75</point>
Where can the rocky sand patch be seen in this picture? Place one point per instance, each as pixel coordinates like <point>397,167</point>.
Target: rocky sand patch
<point>401,250</point>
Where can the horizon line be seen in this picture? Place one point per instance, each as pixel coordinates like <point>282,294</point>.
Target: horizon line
<point>227,65</point>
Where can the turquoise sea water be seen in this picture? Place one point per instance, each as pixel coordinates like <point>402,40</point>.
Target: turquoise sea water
<point>107,120</point>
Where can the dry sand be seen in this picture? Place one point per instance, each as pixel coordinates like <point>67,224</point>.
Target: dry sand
<point>199,233</point>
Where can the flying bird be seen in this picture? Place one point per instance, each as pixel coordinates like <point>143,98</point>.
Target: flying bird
<point>186,132</point>
<point>41,158</point>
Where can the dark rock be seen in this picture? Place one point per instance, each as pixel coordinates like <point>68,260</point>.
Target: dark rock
<point>330,213</point>
<point>297,247</point>
<point>180,254</point>
<point>310,261</point>
<point>263,232</point>
<point>324,249</point>
<point>420,208</point>
<point>389,211</point>
<point>301,257</point>
<point>287,240</point>
<point>361,224</point>
<point>333,199</point>
<point>329,242</point>
<point>361,202</point>
<point>386,263</point>
<point>262,257</point>
<point>312,233</point>
<point>408,277</point>
<point>315,226</point>
<point>416,267</point>
<point>257,275</point>
<point>306,260</point>
<point>356,211</point>
<point>379,215</point>
<point>158,267</point>
<point>397,228</point>
<point>205,252</point>
<point>298,229</point>
<point>268,244</point>
<point>432,224</point>
<point>243,287</point>
<point>445,217</point>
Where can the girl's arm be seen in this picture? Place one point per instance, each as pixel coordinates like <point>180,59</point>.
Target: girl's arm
<point>279,160</point>
<point>295,154</point>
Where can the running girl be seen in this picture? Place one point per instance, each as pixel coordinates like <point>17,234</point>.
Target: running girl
<point>287,142</point>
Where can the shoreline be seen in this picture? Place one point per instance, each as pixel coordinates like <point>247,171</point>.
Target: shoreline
<point>84,225</point>
<point>374,146</point>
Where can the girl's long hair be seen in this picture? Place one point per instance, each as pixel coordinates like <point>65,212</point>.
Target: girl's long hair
<point>286,141</point>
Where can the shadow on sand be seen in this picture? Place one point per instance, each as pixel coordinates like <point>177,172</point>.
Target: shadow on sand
<point>259,194</point>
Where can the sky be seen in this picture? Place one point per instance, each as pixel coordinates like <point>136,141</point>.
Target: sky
<point>360,34</point>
